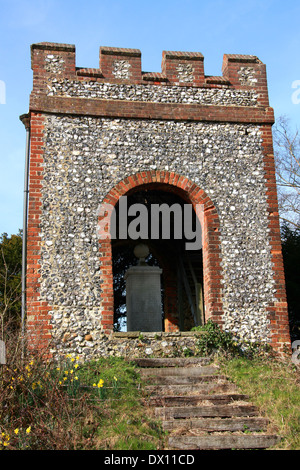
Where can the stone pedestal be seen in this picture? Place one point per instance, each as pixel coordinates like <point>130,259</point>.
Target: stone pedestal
<point>143,298</point>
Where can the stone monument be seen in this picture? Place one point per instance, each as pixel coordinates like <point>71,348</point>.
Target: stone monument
<point>143,294</point>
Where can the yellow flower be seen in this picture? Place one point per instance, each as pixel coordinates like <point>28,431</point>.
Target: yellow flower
<point>76,378</point>
<point>16,431</point>
<point>6,438</point>
<point>100,383</point>
<point>28,430</point>
<point>76,365</point>
<point>115,378</point>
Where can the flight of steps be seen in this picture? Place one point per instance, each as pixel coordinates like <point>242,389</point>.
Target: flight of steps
<point>200,408</point>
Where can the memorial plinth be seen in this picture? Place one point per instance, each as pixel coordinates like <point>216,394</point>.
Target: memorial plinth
<point>143,298</point>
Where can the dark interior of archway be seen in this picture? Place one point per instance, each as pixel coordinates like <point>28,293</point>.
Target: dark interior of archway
<point>169,254</point>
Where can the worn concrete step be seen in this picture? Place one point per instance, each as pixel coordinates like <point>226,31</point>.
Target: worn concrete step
<point>197,400</point>
<point>171,362</point>
<point>179,371</point>
<point>225,411</point>
<point>216,424</point>
<point>221,386</point>
<point>222,442</point>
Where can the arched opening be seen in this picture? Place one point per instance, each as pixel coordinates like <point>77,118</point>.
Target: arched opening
<point>167,224</point>
<point>191,280</point>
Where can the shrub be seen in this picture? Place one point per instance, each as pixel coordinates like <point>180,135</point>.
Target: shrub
<point>213,340</point>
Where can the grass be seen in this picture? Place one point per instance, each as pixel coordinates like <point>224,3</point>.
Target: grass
<point>124,423</point>
<point>274,386</point>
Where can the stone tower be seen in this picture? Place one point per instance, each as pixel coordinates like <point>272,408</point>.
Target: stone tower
<point>178,136</point>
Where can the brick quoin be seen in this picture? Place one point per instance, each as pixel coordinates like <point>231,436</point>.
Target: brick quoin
<point>278,316</point>
<point>38,317</point>
<point>55,64</point>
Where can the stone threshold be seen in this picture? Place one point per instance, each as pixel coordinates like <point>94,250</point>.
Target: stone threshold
<point>153,334</point>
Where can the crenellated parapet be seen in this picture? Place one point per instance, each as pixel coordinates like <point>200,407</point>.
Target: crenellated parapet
<point>243,81</point>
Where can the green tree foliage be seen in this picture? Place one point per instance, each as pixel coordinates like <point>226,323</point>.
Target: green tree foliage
<point>291,259</point>
<point>10,279</point>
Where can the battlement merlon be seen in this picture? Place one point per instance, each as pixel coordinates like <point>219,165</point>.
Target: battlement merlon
<point>50,58</point>
<point>244,71</point>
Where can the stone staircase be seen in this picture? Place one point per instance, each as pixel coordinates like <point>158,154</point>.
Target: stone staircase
<point>200,408</point>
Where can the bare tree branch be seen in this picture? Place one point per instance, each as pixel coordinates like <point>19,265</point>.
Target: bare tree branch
<point>287,161</point>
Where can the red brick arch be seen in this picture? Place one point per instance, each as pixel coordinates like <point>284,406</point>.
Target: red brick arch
<point>212,271</point>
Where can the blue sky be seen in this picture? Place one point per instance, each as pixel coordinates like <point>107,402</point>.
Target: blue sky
<point>268,29</point>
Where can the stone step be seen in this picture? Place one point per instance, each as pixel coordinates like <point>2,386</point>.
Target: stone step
<point>220,386</point>
<point>223,442</point>
<point>200,408</point>
<point>216,424</point>
<point>183,380</point>
<point>171,362</point>
<point>225,411</point>
<point>179,371</point>
<point>196,400</point>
